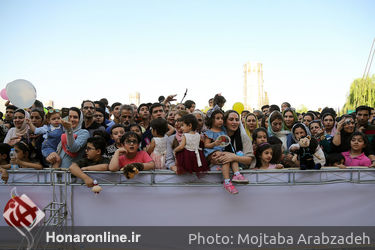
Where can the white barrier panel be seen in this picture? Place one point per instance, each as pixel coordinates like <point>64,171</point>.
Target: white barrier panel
<point>273,198</point>
<point>303,205</point>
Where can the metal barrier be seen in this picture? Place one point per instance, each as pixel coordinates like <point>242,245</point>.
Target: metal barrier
<point>59,184</point>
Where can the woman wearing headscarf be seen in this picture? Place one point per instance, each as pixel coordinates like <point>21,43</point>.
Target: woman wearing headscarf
<point>275,128</point>
<point>73,141</point>
<point>299,131</point>
<point>251,123</point>
<point>317,131</point>
<point>20,128</point>
<point>240,148</point>
<point>290,118</point>
<point>329,123</point>
<point>341,140</point>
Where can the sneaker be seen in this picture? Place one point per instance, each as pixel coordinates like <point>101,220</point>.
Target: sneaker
<point>239,179</point>
<point>230,188</point>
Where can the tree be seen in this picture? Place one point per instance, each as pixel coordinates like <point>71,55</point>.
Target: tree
<point>362,92</point>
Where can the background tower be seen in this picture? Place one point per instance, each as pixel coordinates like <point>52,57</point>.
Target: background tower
<point>254,94</point>
<point>135,98</point>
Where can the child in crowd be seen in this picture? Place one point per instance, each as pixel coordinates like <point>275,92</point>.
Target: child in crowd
<point>51,134</point>
<point>299,131</point>
<point>264,156</point>
<point>129,157</point>
<point>4,160</point>
<point>189,156</point>
<point>260,136</point>
<point>215,125</point>
<point>212,145</point>
<point>117,131</point>
<point>23,152</point>
<point>158,146</point>
<point>335,160</point>
<point>277,150</point>
<point>355,156</point>
<point>94,160</point>
<point>136,128</point>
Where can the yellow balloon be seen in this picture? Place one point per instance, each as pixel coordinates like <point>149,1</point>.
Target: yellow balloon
<point>239,107</point>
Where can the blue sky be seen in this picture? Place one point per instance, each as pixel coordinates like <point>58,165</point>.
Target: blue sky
<point>73,50</point>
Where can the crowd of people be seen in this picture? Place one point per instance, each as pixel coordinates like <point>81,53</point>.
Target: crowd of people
<point>179,137</point>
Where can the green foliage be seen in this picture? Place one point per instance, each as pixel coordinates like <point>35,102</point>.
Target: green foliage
<point>362,92</point>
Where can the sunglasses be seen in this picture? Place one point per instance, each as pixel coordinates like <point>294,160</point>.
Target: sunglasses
<point>53,111</point>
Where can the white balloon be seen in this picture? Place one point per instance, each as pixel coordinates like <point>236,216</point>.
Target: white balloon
<point>21,93</point>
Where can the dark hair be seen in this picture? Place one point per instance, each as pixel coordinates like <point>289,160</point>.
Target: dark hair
<point>104,115</point>
<point>263,123</point>
<point>135,125</point>
<point>218,99</point>
<point>76,110</point>
<point>309,114</point>
<point>101,134</point>
<point>101,105</point>
<point>142,105</point>
<point>38,104</point>
<point>265,106</point>
<point>333,158</point>
<point>104,100</point>
<point>5,149</point>
<point>330,111</point>
<point>117,126</point>
<point>274,107</point>
<point>276,115</point>
<point>364,137</point>
<point>299,125</point>
<point>161,99</point>
<point>258,154</point>
<point>100,110</point>
<point>130,134</point>
<point>287,104</point>
<point>188,104</point>
<point>190,119</point>
<point>363,107</point>
<point>98,142</point>
<point>156,105</point>
<point>324,115</point>
<point>316,121</point>
<point>160,125</point>
<point>83,102</point>
<point>210,120</point>
<point>256,131</point>
<point>20,111</point>
<point>114,105</point>
<point>276,145</point>
<point>11,107</point>
<point>41,112</point>
<point>25,147</point>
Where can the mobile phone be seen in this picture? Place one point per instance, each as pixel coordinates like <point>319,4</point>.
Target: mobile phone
<point>64,112</point>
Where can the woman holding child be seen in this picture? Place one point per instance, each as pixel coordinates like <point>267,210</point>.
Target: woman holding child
<point>240,146</point>
<point>73,141</point>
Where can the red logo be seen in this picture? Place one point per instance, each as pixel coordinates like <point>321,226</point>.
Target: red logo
<point>22,212</point>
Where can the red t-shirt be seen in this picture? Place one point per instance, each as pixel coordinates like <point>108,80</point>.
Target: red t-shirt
<point>140,157</point>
